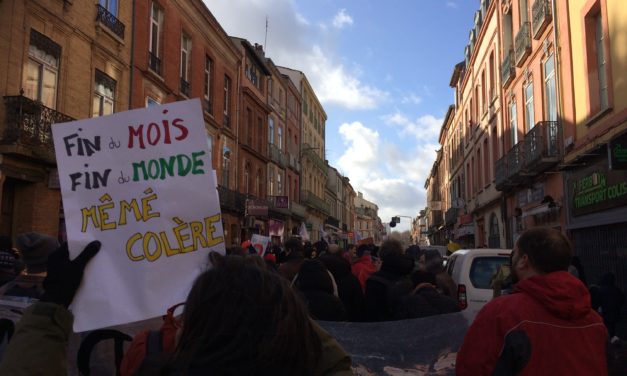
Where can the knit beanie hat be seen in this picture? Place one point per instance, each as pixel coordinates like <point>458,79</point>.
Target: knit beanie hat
<point>35,249</point>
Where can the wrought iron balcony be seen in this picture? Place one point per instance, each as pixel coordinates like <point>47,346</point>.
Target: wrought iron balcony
<point>110,21</point>
<point>28,122</point>
<point>309,152</point>
<point>276,155</point>
<point>540,16</point>
<point>508,71</point>
<point>436,218</point>
<point>543,146</point>
<point>154,63</point>
<point>450,217</point>
<point>231,200</point>
<point>298,210</point>
<point>184,87</point>
<point>515,163</point>
<point>523,43</point>
<point>293,162</point>
<point>500,174</point>
<point>332,222</point>
<point>313,201</point>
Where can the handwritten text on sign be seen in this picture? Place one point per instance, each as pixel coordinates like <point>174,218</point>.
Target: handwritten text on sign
<point>140,182</point>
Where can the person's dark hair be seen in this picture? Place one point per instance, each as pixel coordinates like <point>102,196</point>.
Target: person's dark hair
<point>241,319</point>
<point>390,246</point>
<point>363,248</point>
<point>236,250</point>
<point>293,245</point>
<point>548,249</point>
<point>421,276</point>
<point>433,261</point>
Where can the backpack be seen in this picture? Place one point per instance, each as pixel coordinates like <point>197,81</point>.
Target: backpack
<point>148,347</point>
<point>396,292</point>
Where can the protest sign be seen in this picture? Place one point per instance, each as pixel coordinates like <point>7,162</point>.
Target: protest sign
<point>142,183</point>
<point>260,243</point>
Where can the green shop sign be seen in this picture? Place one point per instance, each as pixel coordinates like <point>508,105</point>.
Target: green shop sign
<point>618,153</point>
<point>597,188</point>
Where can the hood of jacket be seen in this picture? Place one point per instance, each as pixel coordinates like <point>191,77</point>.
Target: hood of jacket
<point>562,294</point>
<point>397,265</point>
<point>314,276</point>
<point>336,264</point>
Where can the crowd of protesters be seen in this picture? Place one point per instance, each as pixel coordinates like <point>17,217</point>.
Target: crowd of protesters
<point>255,313</point>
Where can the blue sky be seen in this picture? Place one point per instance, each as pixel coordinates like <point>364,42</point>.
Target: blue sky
<point>381,70</point>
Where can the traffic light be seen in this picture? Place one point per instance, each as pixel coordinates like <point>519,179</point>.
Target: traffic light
<point>392,223</point>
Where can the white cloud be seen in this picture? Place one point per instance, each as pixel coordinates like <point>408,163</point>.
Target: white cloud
<point>451,4</point>
<point>300,43</point>
<point>411,98</point>
<point>393,177</point>
<point>342,19</point>
<point>426,128</point>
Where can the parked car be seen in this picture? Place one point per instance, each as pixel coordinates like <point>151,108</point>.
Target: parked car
<point>472,270</point>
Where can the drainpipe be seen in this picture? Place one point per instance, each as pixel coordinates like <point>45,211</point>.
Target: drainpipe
<point>130,89</point>
<point>237,121</point>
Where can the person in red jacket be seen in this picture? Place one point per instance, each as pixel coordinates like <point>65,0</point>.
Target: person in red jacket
<point>545,327</point>
<point>363,267</point>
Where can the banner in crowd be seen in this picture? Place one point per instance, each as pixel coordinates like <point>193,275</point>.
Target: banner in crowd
<point>260,243</point>
<point>141,182</point>
<point>426,346</point>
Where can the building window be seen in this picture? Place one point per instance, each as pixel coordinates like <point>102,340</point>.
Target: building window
<point>601,63</point>
<point>529,116</point>
<point>253,74</point>
<point>208,85</point>
<point>279,183</point>
<point>550,92</point>
<point>210,146</point>
<point>151,102</point>
<point>104,95</point>
<point>258,183</point>
<point>280,137</point>
<point>186,51</point>
<point>227,100</point>
<point>42,70</point>
<point>513,122</point>
<point>259,134</point>
<point>226,162</point>
<point>110,5</point>
<point>271,181</point>
<point>156,23</point>
<point>247,178</point>
<point>270,130</point>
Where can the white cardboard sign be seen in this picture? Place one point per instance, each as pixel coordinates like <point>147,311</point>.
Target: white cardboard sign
<point>141,182</point>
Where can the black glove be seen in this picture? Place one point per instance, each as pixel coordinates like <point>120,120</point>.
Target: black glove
<point>64,276</point>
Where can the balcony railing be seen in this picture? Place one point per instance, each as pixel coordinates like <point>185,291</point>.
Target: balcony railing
<point>293,162</point>
<point>523,43</point>
<point>450,217</point>
<point>508,71</point>
<point>276,155</point>
<point>28,124</point>
<point>231,200</point>
<point>298,210</point>
<point>332,222</point>
<point>515,162</point>
<point>500,173</point>
<point>437,218</point>
<point>184,87</point>
<point>313,201</point>
<point>110,21</point>
<point>543,146</point>
<point>154,63</point>
<point>540,16</point>
<point>310,153</point>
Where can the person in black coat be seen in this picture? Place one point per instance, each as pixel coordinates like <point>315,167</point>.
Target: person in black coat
<point>348,287</point>
<point>316,286</point>
<point>425,287</point>
<point>384,287</point>
<point>610,299</point>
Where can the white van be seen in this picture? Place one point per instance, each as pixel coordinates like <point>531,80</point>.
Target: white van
<point>472,271</point>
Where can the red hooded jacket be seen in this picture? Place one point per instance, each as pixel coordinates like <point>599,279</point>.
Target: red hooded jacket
<point>545,327</point>
<point>362,269</point>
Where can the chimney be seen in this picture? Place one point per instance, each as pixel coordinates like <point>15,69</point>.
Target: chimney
<point>259,50</point>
